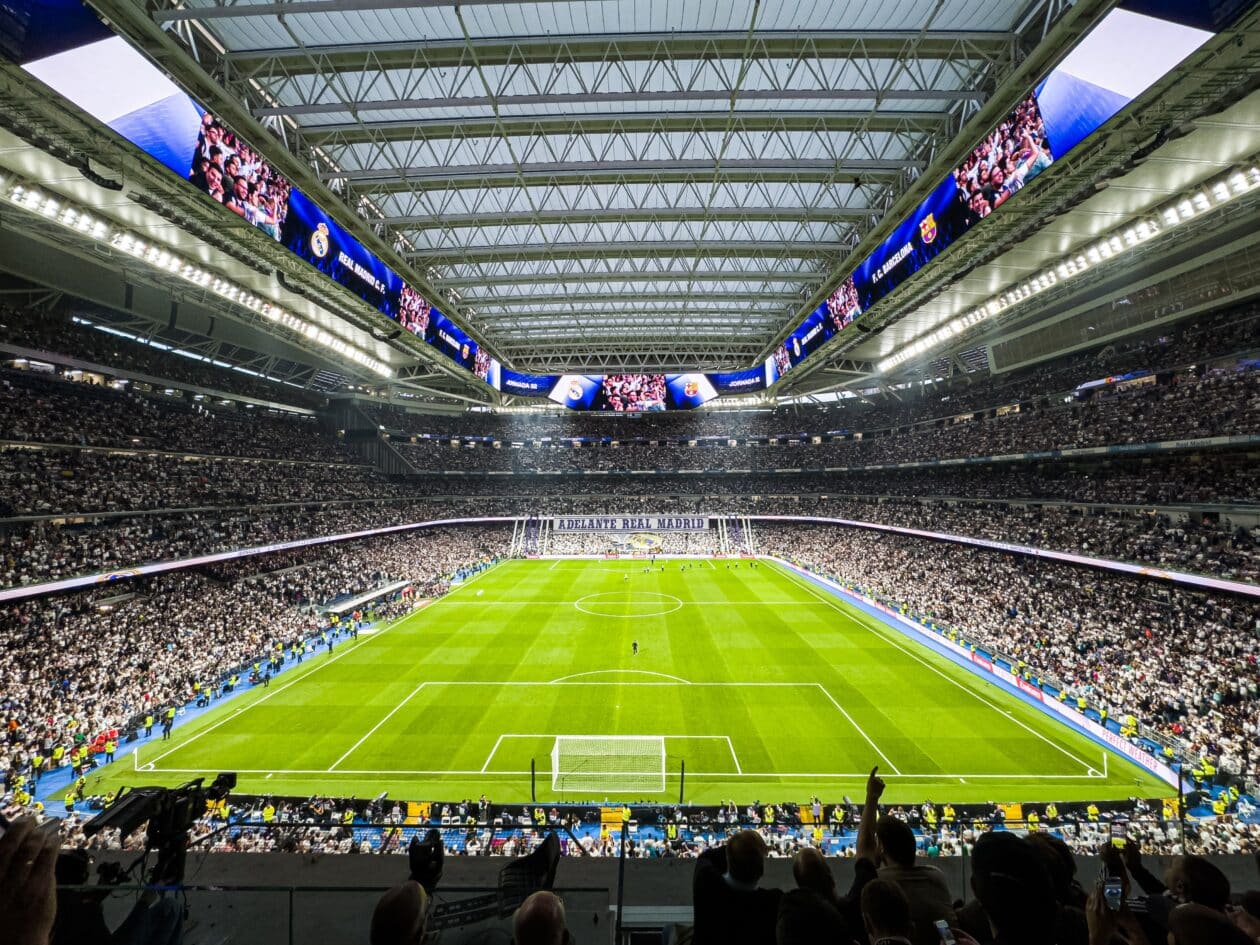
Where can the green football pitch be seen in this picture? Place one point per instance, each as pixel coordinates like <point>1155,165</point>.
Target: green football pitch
<point>763,685</point>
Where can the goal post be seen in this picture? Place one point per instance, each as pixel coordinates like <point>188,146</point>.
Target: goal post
<point>608,764</point>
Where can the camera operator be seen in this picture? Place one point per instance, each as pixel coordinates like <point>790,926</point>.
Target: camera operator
<point>153,920</point>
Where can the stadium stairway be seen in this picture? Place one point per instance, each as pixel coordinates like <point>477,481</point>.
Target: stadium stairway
<point>365,437</point>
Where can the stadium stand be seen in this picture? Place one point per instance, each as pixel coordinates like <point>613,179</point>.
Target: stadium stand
<point>85,333</point>
<point>172,640</point>
<point>1023,459</point>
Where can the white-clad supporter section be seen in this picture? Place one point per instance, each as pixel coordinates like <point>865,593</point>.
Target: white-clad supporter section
<point>1124,567</point>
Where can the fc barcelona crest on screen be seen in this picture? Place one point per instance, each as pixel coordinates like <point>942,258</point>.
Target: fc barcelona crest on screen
<point>690,389</point>
<point>927,228</point>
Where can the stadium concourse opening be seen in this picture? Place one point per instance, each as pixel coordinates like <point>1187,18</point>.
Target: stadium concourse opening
<point>737,672</point>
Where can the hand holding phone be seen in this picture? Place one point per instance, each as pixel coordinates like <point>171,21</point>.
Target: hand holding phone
<point>1113,892</point>
<point>1119,833</point>
<point>942,929</point>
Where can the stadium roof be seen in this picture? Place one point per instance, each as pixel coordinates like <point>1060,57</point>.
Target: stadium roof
<point>633,184</point>
<point>609,183</point>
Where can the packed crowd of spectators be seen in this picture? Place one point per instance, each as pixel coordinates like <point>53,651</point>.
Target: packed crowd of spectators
<point>45,552</point>
<point>1218,404</point>
<point>312,500</point>
<point>1228,331</point>
<point>77,665</point>
<point>49,481</point>
<point>1182,662</point>
<point>232,173</point>
<point>1020,889</point>
<point>70,332</point>
<point>1214,547</point>
<point>1013,154</point>
<point>1023,890</point>
<point>40,409</point>
<point>665,543</point>
<point>345,825</point>
<point>1231,331</point>
<point>59,480</point>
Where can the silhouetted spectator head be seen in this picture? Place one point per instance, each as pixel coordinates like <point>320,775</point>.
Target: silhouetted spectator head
<point>885,910</point>
<point>1013,885</point>
<point>811,872</point>
<point>1194,879</point>
<point>1194,924</point>
<point>540,921</point>
<point>896,841</point>
<point>400,915</point>
<point>1061,865</point>
<point>746,856</point>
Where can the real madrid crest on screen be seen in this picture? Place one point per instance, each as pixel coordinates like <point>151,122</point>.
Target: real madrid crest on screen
<point>319,241</point>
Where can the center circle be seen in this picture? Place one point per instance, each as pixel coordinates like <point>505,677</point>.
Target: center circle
<point>622,604</point>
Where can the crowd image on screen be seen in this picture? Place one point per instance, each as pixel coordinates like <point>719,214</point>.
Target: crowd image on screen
<point>481,364</point>
<point>235,175</point>
<point>633,392</point>
<point>1015,153</point>
<point>782,361</point>
<point>843,306</point>
<point>413,311</point>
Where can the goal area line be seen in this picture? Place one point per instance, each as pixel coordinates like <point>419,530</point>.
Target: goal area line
<point>340,773</point>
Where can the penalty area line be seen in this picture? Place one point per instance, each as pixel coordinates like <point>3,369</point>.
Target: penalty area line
<point>311,672</point>
<point>870,741</point>
<point>274,692</point>
<point>746,775</point>
<point>372,730</point>
<point>835,605</point>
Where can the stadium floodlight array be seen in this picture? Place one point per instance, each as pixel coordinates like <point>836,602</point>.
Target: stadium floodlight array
<point>1190,205</point>
<point>63,212</point>
<point>608,764</point>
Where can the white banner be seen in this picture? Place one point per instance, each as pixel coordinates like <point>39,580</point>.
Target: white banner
<point>631,523</point>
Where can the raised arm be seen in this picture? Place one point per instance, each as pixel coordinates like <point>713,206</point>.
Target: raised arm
<point>866,846</point>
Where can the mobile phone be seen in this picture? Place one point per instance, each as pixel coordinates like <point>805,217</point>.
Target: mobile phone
<point>1113,892</point>
<point>942,929</point>
<point>1119,833</point>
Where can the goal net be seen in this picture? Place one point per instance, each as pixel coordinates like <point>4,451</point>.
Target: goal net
<point>608,764</point>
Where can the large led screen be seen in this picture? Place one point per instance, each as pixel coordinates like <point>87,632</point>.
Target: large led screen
<point>632,393</point>
<point>1127,52</point>
<point>313,235</point>
<point>64,45</point>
